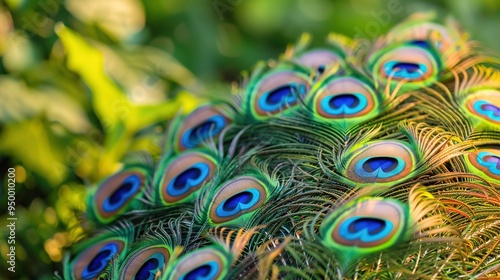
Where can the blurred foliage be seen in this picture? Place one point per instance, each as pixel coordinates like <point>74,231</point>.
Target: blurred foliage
<point>72,105</point>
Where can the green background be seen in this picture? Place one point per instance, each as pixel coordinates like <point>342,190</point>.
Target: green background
<point>50,131</point>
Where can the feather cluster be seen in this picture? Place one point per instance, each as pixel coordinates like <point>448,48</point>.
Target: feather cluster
<point>354,161</point>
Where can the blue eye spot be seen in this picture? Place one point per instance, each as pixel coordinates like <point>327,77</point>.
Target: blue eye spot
<point>490,161</point>
<point>205,130</point>
<point>234,201</point>
<point>206,271</point>
<point>492,108</point>
<point>180,181</point>
<point>201,131</point>
<point>126,190</point>
<point>386,164</point>
<point>144,272</point>
<point>493,159</point>
<point>365,229</point>
<point>278,98</point>
<point>200,272</point>
<point>344,104</point>
<point>340,100</point>
<point>100,261</point>
<point>237,203</point>
<point>379,167</point>
<point>404,70</point>
<point>149,269</point>
<point>372,225</point>
<point>408,67</point>
<point>97,263</point>
<point>487,109</point>
<point>421,43</point>
<point>189,178</point>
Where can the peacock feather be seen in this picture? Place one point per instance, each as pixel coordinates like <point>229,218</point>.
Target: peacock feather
<point>350,161</point>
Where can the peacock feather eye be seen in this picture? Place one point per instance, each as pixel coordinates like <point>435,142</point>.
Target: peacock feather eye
<point>94,260</point>
<point>183,176</point>
<point>278,91</point>
<point>206,263</point>
<point>486,163</point>
<point>319,59</point>
<point>204,123</point>
<point>410,63</point>
<point>365,226</point>
<point>344,98</point>
<point>145,263</point>
<point>381,162</point>
<point>484,105</point>
<point>423,33</point>
<point>367,158</point>
<point>236,199</point>
<point>115,194</point>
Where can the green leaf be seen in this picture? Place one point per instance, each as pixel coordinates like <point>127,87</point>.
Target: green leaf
<point>39,150</point>
<point>121,118</point>
<point>87,61</point>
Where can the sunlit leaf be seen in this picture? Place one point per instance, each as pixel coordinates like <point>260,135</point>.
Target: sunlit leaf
<point>119,116</point>
<point>21,102</point>
<point>37,148</point>
<point>119,18</point>
<point>87,61</point>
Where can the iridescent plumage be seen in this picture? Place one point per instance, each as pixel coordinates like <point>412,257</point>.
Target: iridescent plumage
<point>348,161</point>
